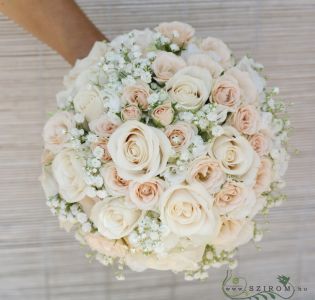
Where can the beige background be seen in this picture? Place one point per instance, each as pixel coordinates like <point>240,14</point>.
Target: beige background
<point>40,261</point>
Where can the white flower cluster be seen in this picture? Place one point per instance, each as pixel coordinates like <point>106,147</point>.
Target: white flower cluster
<point>163,150</point>
<point>69,214</point>
<point>149,234</point>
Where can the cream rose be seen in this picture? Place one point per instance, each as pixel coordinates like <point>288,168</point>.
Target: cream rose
<point>87,204</point>
<point>146,195</point>
<point>190,87</point>
<point>235,155</point>
<point>235,200</point>
<point>105,125</point>
<point>165,65</point>
<point>246,119</point>
<point>205,61</point>
<point>180,135</point>
<point>261,142</point>
<point>178,32</point>
<point>188,211</point>
<point>68,171</point>
<point>113,218</point>
<point>56,133</point>
<point>114,184</point>
<point>226,91</point>
<point>206,171</point>
<point>131,112</point>
<point>264,176</point>
<point>178,259</point>
<point>140,152</point>
<point>99,243</point>
<point>233,233</point>
<point>48,182</point>
<point>218,50</point>
<point>249,93</point>
<point>89,102</point>
<point>163,114</point>
<point>137,94</point>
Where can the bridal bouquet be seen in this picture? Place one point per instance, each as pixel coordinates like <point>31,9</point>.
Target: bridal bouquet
<point>163,150</point>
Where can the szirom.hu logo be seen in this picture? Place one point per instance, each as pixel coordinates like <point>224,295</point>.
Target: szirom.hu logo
<point>237,288</point>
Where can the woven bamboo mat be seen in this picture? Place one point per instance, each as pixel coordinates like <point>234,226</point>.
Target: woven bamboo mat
<point>39,261</point>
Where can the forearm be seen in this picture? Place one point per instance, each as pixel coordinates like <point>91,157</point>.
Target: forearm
<point>58,23</point>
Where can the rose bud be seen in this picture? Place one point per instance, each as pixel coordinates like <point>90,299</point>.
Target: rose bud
<point>131,112</point>
<point>163,114</point>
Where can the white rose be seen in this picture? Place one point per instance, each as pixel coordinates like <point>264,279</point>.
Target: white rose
<point>233,233</point>
<point>140,152</point>
<point>89,102</point>
<point>68,171</point>
<point>235,155</point>
<point>81,65</point>
<point>190,87</point>
<point>48,182</point>
<point>218,50</point>
<point>178,260</point>
<point>56,131</point>
<point>248,65</point>
<point>205,61</point>
<point>113,218</point>
<point>188,211</point>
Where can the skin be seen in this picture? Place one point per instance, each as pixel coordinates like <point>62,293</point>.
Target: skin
<point>58,23</point>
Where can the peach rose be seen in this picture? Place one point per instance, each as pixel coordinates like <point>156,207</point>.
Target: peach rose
<point>235,200</point>
<point>218,50</point>
<point>264,176</point>
<point>235,155</point>
<point>178,32</point>
<point>190,87</point>
<point>113,218</point>
<point>146,195</point>
<point>205,61</point>
<point>99,243</point>
<point>139,151</point>
<point>246,119</point>
<point>163,114</point>
<point>165,65</point>
<point>226,91</point>
<point>102,143</point>
<point>114,184</point>
<point>180,135</point>
<point>233,233</point>
<point>105,125</point>
<point>261,142</point>
<point>137,94</point>
<point>131,112</point>
<point>249,93</point>
<point>56,133</point>
<point>188,212</point>
<point>206,171</point>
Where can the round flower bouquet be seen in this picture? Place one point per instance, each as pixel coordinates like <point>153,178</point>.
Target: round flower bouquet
<point>163,150</point>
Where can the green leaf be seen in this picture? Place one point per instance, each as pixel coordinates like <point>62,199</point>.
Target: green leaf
<point>271,295</point>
